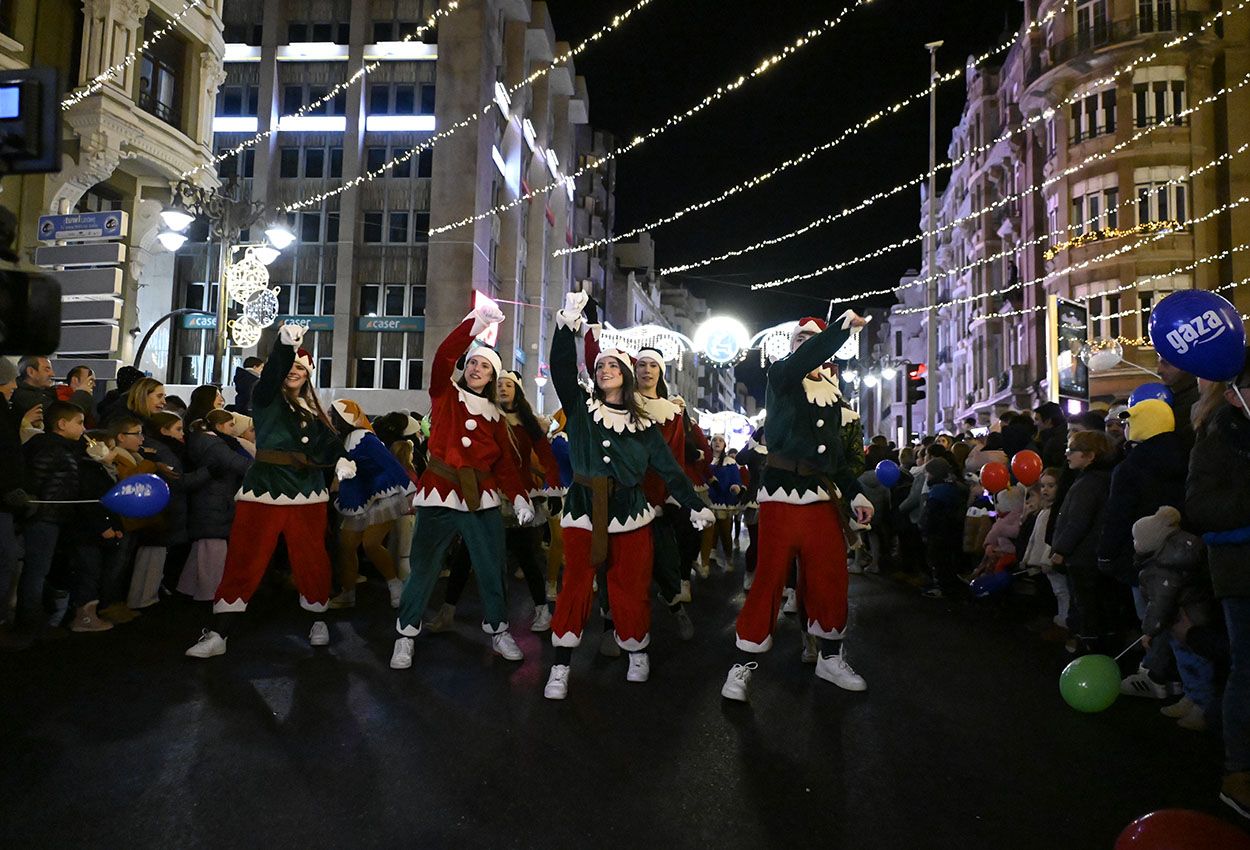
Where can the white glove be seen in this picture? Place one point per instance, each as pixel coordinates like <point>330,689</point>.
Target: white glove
<point>488,313</point>
<point>702,518</point>
<point>344,469</point>
<point>292,335</point>
<point>523,509</point>
<point>851,319</point>
<point>575,303</point>
<point>862,510</point>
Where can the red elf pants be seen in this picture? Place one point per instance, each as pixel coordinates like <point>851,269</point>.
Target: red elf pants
<point>629,580</point>
<point>254,536</point>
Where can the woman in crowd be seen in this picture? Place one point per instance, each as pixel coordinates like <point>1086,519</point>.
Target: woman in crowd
<point>1037,552</point>
<point>284,493</point>
<point>470,462</point>
<point>145,397</point>
<point>606,514</point>
<point>203,399</point>
<point>211,446</point>
<point>724,489</point>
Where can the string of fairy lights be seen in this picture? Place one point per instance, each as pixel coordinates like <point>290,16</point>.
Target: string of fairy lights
<point>972,151</point>
<point>674,120</point>
<point>824,147</point>
<point>101,79</point>
<point>1006,199</point>
<point>441,12</point>
<point>1212,258</point>
<point>369,176</point>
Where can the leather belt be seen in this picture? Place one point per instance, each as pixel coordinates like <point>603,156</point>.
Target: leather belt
<point>467,478</point>
<point>284,458</point>
<point>601,489</point>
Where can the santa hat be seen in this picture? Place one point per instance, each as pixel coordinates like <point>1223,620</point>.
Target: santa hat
<point>303,358</point>
<point>626,362</point>
<point>653,354</point>
<point>485,351</point>
<point>809,324</point>
<point>352,413</point>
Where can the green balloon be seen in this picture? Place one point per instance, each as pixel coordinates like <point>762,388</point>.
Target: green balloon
<point>1090,683</point>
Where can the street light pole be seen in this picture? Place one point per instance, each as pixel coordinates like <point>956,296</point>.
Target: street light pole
<point>931,289</point>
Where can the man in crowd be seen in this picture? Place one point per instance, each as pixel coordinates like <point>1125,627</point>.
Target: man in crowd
<point>1184,387</point>
<point>1052,434</point>
<point>34,384</point>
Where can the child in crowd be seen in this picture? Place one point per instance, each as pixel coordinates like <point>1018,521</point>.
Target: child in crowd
<point>941,524</point>
<point>211,446</point>
<point>95,536</point>
<point>129,458</point>
<point>1000,541</point>
<point>1036,552</point>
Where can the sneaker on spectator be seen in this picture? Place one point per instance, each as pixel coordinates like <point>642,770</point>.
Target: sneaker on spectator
<point>1178,709</point>
<point>319,634</point>
<point>209,644</point>
<point>639,667</point>
<point>811,649</point>
<point>738,683</point>
<point>1195,720</point>
<point>85,620</point>
<point>557,682</point>
<point>504,645</point>
<point>401,657</point>
<point>834,668</point>
<point>684,596</point>
<point>1140,684</point>
<point>345,599</point>
<point>791,605</point>
<point>854,567</point>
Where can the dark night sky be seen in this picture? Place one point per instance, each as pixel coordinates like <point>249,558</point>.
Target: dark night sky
<point>674,52</point>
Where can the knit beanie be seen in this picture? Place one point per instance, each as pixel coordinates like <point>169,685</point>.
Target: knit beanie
<point>1149,532</point>
<point>938,469</point>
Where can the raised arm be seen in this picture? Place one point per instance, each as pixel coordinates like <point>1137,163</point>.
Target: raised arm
<point>564,354</point>
<point>457,343</point>
<point>815,351</point>
<point>281,356</point>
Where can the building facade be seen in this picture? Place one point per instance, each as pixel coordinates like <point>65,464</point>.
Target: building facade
<point>1003,248</point>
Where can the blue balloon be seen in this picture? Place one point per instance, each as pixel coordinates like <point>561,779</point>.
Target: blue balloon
<point>888,473</point>
<point>1154,389</point>
<point>137,497</point>
<point>991,585</point>
<point>1199,332</point>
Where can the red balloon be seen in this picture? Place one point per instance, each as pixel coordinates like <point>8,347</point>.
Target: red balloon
<point>1027,465</point>
<point>995,477</point>
<point>1181,829</point>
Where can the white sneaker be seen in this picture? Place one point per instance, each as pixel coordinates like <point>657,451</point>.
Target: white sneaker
<point>748,579</point>
<point>738,682</point>
<point>811,649</point>
<point>791,605</point>
<point>209,644</point>
<point>542,619</point>
<point>396,587</point>
<point>401,658</point>
<point>639,667</point>
<point>836,670</point>
<point>608,646</point>
<point>504,645</point>
<point>558,682</point>
<point>1140,684</point>
<point>684,596</point>
<point>443,620</point>
<point>319,635</point>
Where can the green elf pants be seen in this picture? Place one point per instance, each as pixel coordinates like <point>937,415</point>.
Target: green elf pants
<point>482,532</point>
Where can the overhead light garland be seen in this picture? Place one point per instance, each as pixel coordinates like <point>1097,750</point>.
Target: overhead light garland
<point>921,178</point>
<point>361,73</point>
<point>853,130</point>
<point>369,176</point>
<point>100,80</point>
<point>1103,233</point>
<point>1214,258</point>
<point>674,120</point>
<point>1006,199</point>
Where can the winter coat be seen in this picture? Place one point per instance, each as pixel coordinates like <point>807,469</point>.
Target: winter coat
<point>1033,532</point>
<point>725,476</point>
<point>91,521</point>
<point>173,531</point>
<point>244,383</point>
<point>981,457</point>
<point>753,458</point>
<point>1078,527</point>
<point>1217,498</point>
<point>912,506</point>
<point>942,519</point>
<point>1151,475</point>
<point>211,506</point>
<point>877,493</point>
<point>52,474</point>
<point>12,462</point>
<point>1003,533</point>
<point>25,397</point>
<point>1172,578</point>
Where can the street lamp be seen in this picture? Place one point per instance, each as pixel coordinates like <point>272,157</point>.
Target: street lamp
<point>889,373</point>
<point>228,214</point>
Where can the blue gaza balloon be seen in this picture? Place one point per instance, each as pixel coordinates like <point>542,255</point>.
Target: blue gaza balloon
<point>137,497</point>
<point>989,585</point>
<point>1199,332</point>
<point>888,473</point>
<point>1151,390</point>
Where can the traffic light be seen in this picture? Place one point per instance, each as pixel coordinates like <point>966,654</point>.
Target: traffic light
<point>915,382</point>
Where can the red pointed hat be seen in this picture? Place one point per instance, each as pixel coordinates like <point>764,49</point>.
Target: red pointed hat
<point>808,324</point>
<point>303,358</point>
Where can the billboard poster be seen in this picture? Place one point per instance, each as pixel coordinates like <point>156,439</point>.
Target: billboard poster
<point>1068,333</point>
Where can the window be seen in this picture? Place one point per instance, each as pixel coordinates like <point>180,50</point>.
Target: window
<point>306,299</point>
<point>365,369</point>
<point>322,32</point>
<point>369,294</point>
<point>405,99</point>
<point>425,163</point>
<point>379,100</point>
<point>390,360</point>
<point>292,99</point>
<point>390,373</point>
<point>1162,194</point>
<point>339,33</point>
<point>1091,23</point>
<point>1159,96</point>
<point>395,299</point>
<point>1051,143</point>
<point>336,162</point>
<point>427,98</point>
<point>284,299</point>
<point>1093,115</point>
<point>402,167</point>
<point>314,162</point>
<point>289,166</point>
<point>1052,217</point>
<point>325,373</point>
<point>383,31</point>
<point>398,230</point>
<point>1094,204</point>
<point>1148,294</point>
<point>296,33</point>
<point>1155,16</point>
<point>327,299</point>
<point>421,227</point>
<point>371,229</point>
<point>332,227</point>
<point>230,100</point>
<point>375,158</point>
<point>310,227</point>
<point>229,167</point>
<point>158,90</point>
<point>416,302</point>
<point>415,376</point>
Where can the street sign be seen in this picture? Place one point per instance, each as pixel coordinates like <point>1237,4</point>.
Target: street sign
<point>103,310</point>
<point>104,281</point>
<point>85,254</point>
<point>312,323</point>
<point>87,339</point>
<point>199,322</point>
<point>111,224</point>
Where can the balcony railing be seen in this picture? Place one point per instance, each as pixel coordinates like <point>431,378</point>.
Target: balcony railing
<point>1108,33</point>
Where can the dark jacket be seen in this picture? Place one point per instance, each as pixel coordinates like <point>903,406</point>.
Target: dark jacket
<point>1081,515</point>
<point>1151,475</point>
<point>942,518</point>
<point>173,531</point>
<point>1217,497</point>
<point>212,505</point>
<point>244,383</point>
<point>1172,578</point>
<point>1184,396</point>
<point>91,521</point>
<point>25,397</point>
<point>52,474</point>
<point>12,461</point>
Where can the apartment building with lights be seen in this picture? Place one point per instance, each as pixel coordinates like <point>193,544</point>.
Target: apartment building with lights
<point>990,359</point>
<point>123,144</point>
<point>377,290</point>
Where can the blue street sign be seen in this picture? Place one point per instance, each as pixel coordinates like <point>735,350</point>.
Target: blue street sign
<point>391,324</point>
<point>312,323</point>
<point>199,322</point>
<point>97,225</point>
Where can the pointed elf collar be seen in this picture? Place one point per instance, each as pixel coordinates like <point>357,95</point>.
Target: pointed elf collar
<point>478,405</point>
<point>614,418</point>
<point>821,392</point>
<point>659,409</point>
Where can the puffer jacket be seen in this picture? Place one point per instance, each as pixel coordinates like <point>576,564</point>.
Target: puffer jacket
<point>1172,578</point>
<point>52,475</point>
<point>173,530</point>
<point>1151,475</point>
<point>212,505</point>
<point>1217,499</point>
<point>1078,527</point>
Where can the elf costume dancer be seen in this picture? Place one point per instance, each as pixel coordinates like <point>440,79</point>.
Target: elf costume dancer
<point>284,493</point>
<point>606,515</point>
<point>471,459</point>
<point>812,460</point>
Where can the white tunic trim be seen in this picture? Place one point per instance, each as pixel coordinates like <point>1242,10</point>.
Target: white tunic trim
<point>822,393</point>
<point>316,497</point>
<point>615,420</point>
<point>794,497</point>
<point>637,521</point>
<point>427,498</point>
<point>660,410</point>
